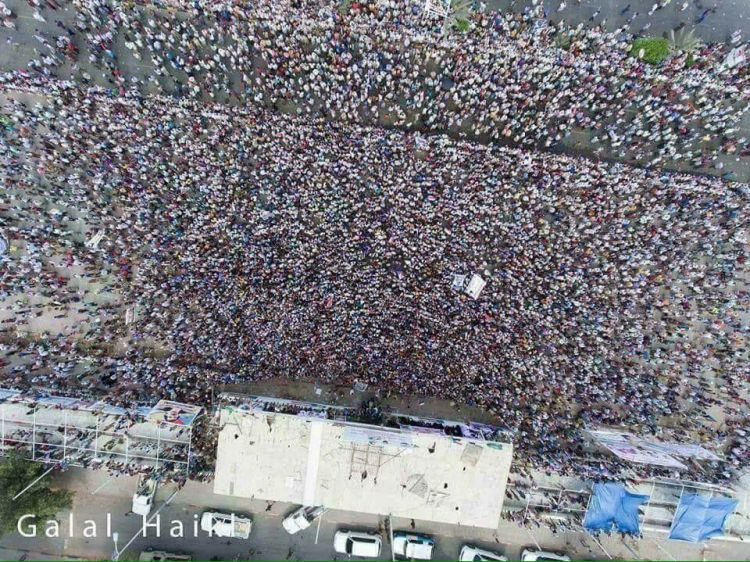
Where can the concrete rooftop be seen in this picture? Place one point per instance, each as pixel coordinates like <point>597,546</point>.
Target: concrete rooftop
<point>420,474</point>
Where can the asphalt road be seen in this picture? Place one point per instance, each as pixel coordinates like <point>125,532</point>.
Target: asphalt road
<point>268,539</point>
<point>718,26</point>
<point>18,48</point>
<point>97,495</point>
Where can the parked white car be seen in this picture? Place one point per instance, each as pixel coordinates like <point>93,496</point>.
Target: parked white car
<point>302,518</point>
<point>226,525</point>
<point>470,552</point>
<point>411,546</point>
<point>528,555</point>
<point>357,543</point>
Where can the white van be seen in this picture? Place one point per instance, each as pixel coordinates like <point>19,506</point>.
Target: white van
<point>301,518</point>
<point>226,525</point>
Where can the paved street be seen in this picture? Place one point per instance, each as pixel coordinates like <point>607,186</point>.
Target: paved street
<point>725,18</point>
<point>729,15</point>
<point>269,541</point>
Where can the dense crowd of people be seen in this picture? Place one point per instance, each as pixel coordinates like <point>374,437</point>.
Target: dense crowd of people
<point>514,78</point>
<point>204,237</point>
<point>254,244</point>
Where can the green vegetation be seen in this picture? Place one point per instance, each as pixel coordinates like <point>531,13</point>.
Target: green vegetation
<point>15,474</point>
<point>462,25</point>
<point>653,50</point>
<point>563,41</point>
<point>344,7</point>
<point>460,15</point>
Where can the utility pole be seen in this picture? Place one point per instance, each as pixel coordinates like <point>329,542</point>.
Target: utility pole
<point>116,551</point>
<point>390,535</point>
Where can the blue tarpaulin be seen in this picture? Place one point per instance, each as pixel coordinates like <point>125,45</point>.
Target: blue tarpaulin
<point>612,506</point>
<point>700,517</point>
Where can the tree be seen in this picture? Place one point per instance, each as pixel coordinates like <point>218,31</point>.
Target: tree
<point>684,40</point>
<point>652,50</point>
<point>459,15</point>
<point>344,7</point>
<point>40,500</point>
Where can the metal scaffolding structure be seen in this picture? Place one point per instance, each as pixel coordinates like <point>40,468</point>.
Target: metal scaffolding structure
<point>61,430</point>
<point>351,414</point>
<point>440,8</point>
<point>656,515</point>
<point>562,501</point>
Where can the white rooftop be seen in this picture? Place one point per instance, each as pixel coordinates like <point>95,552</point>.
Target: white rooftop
<point>421,474</point>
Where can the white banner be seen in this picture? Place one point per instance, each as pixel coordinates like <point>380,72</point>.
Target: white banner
<point>680,450</point>
<point>630,448</point>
